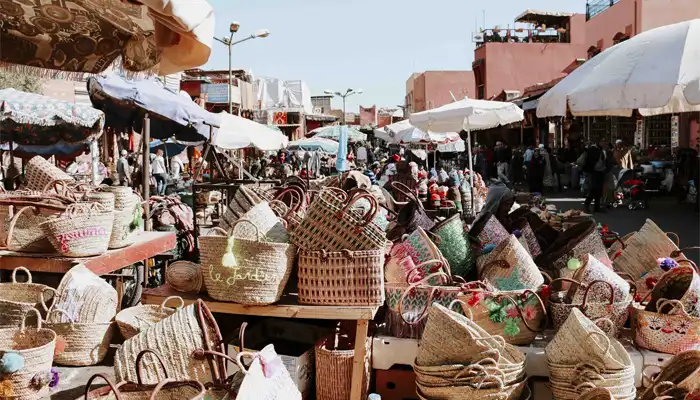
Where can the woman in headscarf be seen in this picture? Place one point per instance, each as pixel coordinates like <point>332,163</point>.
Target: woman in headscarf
<point>548,171</point>
<point>499,201</point>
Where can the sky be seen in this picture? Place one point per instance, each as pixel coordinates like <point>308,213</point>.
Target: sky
<point>374,45</point>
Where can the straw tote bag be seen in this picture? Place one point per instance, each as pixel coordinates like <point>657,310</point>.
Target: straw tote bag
<point>593,270</point>
<point>681,283</point>
<point>185,340</point>
<point>419,248</point>
<point>331,224</point>
<point>681,371</point>
<point>243,200</point>
<point>19,298</point>
<point>22,225</point>
<point>80,344</point>
<point>545,233</point>
<point>85,297</point>
<point>256,271</point>
<point>35,347</point>
<point>510,267</point>
<point>40,174</point>
<point>528,236</point>
<point>516,316</point>
<point>133,319</point>
<point>413,214</point>
<point>669,333</point>
<point>451,240</point>
<point>488,230</point>
<point>83,230</point>
<point>576,242</point>
<point>267,222</point>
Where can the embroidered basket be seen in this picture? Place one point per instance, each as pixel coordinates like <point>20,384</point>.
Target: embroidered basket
<point>80,344</point>
<point>261,268</point>
<point>36,346</point>
<point>528,236</point>
<point>681,283</point>
<point>419,248</point>
<point>591,271</point>
<point>516,316</point>
<point>670,333</point>
<point>510,267</point>
<point>83,230</point>
<point>576,242</point>
<point>134,319</point>
<point>330,224</point>
<point>17,299</point>
<point>345,278</point>
<point>452,241</point>
<point>488,230</point>
<point>40,174</point>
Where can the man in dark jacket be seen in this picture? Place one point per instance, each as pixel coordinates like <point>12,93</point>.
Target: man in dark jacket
<point>598,162</point>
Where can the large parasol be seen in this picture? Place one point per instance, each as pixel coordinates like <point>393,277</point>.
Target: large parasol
<point>89,36</point>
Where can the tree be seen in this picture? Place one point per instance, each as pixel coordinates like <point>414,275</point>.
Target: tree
<point>20,81</point>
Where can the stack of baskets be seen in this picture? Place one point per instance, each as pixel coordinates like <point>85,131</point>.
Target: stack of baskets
<point>458,360</point>
<point>18,298</point>
<point>133,320</point>
<point>128,213</point>
<point>679,378</point>
<point>341,260</point>
<point>581,357</point>
<point>82,317</point>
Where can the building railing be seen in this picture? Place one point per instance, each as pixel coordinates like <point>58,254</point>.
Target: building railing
<point>595,7</point>
<point>522,36</point>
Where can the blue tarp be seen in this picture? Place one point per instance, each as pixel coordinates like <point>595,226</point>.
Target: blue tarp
<point>125,102</point>
<point>60,149</point>
<point>170,148</point>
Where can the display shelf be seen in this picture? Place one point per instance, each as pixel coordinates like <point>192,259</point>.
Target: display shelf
<point>288,307</point>
<point>147,245</point>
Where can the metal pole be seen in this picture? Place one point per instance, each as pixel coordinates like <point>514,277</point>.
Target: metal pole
<point>471,165</point>
<point>230,76</point>
<point>146,173</point>
<point>343,123</point>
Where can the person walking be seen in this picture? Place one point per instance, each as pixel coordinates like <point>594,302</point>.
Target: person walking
<point>502,155</point>
<point>176,167</point>
<point>597,164</point>
<point>123,171</point>
<point>159,172</point>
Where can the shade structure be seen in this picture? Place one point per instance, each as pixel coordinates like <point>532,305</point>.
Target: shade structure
<point>656,72</point>
<point>238,133</point>
<point>38,120</point>
<point>170,147</point>
<point>333,132</point>
<point>314,144</point>
<point>404,133</point>
<point>467,114</point>
<point>126,101</point>
<point>161,36</point>
<point>60,150</point>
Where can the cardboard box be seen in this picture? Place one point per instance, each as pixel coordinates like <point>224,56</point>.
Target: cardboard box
<point>293,341</point>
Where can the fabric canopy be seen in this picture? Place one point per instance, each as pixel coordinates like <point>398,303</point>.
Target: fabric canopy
<point>467,114</point>
<point>163,36</point>
<point>60,150</point>
<point>126,101</point>
<point>40,120</point>
<point>238,133</point>
<point>315,144</point>
<point>403,132</point>
<point>170,148</point>
<point>333,132</point>
<point>656,72</point>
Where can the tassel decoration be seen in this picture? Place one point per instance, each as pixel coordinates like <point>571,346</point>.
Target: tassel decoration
<point>11,363</point>
<point>229,260</point>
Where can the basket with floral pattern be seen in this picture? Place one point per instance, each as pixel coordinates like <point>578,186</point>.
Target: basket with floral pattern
<point>670,330</point>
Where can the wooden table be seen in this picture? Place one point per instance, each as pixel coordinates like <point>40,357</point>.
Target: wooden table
<point>148,244</point>
<point>287,307</point>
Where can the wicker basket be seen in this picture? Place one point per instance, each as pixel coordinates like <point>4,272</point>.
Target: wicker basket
<point>22,226</point>
<point>36,347</point>
<point>80,344</point>
<point>40,174</point>
<point>330,224</point>
<point>85,296</point>
<point>451,239</point>
<point>346,278</point>
<point>510,267</point>
<point>488,230</point>
<point>260,274</point>
<point>17,299</point>
<point>184,276</point>
<point>106,199</point>
<point>593,270</point>
<point>83,230</point>
<point>134,319</point>
<point>124,197</point>
<point>123,228</point>
<point>576,242</point>
<point>670,333</point>
<point>334,368</point>
<point>243,200</point>
<point>264,220</point>
<point>680,372</point>
<point>681,283</point>
<point>188,331</point>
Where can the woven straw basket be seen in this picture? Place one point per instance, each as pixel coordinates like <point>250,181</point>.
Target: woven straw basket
<point>40,174</point>
<point>681,283</point>
<point>334,367</point>
<point>124,197</point>
<point>260,274</point>
<point>22,226</point>
<point>177,338</point>
<point>510,267</point>
<point>594,270</point>
<point>123,233</point>
<point>576,242</point>
<point>670,333</point>
<point>82,343</point>
<point>85,296</point>
<point>17,299</point>
<point>488,230</point>
<point>613,308</point>
<point>528,236</point>
<point>243,200</point>
<point>680,372</point>
<point>262,219</point>
<point>106,199</point>
<point>345,278</point>
<point>134,319</point>
<point>184,276</point>
<point>83,230</point>
<point>451,239</point>
<point>167,388</point>
<point>36,346</point>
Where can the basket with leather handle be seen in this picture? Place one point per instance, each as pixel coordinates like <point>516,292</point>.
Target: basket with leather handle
<point>413,214</point>
<point>576,242</point>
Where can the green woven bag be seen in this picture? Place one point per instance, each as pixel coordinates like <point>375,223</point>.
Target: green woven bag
<point>449,236</point>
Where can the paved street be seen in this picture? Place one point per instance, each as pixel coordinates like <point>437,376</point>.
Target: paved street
<point>664,211</point>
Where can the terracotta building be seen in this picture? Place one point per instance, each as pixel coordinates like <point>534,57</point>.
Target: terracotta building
<point>432,89</point>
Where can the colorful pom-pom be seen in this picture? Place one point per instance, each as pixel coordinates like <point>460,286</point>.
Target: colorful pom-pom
<point>11,363</point>
<point>517,233</point>
<point>650,282</point>
<point>488,248</point>
<point>40,380</point>
<point>55,378</point>
<point>666,263</point>
<point>573,264</point>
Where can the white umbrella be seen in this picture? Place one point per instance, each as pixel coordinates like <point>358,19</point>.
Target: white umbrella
<point>333,132</point>
<point>468,114</point>
<point>314,144</point>
<point>656,72</point>
<point>238,133</point>
<point>404,132</point>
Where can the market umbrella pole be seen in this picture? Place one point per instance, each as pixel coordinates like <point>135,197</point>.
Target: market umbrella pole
<point>471,165</point>
<point>145,173</point>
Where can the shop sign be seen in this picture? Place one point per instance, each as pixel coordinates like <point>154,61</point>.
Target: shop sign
<point>674,131</point>
<point>218,93</point>
<point>639,133</point>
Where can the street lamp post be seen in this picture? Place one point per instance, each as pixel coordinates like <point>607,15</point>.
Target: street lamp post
<point>228,41</point>
<point>344,96</point>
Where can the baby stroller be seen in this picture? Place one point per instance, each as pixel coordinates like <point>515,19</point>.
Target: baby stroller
<point>629,191</point>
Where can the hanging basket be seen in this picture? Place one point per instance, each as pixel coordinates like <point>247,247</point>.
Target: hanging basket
<point>82,343</point>
<point>17,299</point>
<point>133,320</point>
